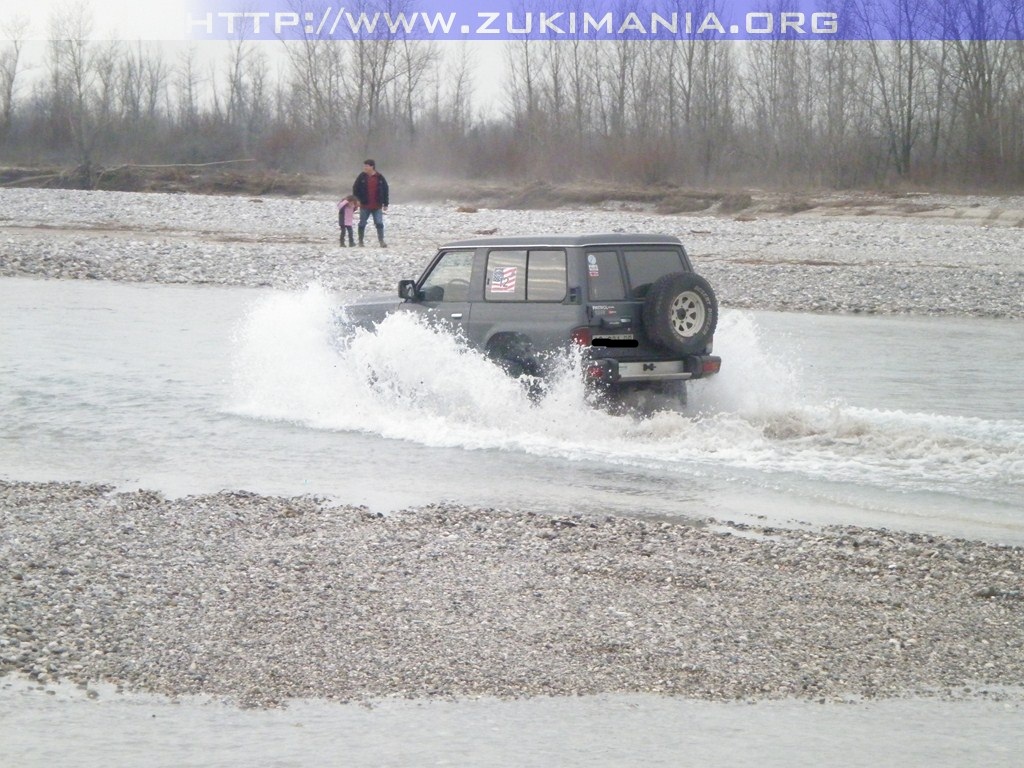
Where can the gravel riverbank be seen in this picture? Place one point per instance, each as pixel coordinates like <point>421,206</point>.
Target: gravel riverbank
<point>936,256</point>
<point>257,600</point>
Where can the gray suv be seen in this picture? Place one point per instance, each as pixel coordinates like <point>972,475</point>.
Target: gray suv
<point>645,319</point>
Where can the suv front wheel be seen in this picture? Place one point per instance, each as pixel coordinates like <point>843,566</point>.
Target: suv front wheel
<point>681,312</point>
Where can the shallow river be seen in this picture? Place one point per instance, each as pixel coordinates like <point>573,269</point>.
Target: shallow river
<point>906,423</point>
<point>898,422</point>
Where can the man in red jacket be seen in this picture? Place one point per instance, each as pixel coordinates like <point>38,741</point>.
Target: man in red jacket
<point>371,189</point>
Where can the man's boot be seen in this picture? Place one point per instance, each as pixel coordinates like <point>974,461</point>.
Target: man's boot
<point>380,237</point>
<point>362,230</point>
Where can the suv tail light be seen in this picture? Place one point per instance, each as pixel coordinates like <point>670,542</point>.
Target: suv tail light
<point>601,371</point>
<point>583,336</point>
<point>710,365</point>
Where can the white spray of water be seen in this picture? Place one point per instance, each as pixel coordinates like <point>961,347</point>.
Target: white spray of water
<point>408,380</point>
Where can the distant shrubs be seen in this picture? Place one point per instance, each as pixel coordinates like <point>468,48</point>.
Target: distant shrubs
<point>794,205</point>
<point>735,202</point>
<point>684,203</point>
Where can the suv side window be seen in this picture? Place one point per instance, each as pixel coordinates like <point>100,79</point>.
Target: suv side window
<point>545,276</point>
<point>604,276</point>
<point>644,266</point>
<point>506,276</point>
<point>520,275</point>
<point>449,279</point>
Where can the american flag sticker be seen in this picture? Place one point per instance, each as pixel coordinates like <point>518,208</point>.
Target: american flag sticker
<point>503,280</point>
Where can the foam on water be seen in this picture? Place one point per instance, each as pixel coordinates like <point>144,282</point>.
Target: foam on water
<point>407,380</point>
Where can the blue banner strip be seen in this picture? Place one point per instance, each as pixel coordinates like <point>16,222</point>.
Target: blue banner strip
<point>577,20</point>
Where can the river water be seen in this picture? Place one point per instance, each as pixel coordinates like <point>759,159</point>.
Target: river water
<point>906,423</point>
<point>912,423</point>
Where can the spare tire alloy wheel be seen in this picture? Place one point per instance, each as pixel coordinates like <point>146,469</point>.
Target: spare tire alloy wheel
<point>681,312</point>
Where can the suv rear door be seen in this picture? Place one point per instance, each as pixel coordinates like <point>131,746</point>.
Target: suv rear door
<point>618,279</point>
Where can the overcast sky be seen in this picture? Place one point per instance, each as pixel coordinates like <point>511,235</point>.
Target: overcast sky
<point>166,21</point>
<point>114,19</point>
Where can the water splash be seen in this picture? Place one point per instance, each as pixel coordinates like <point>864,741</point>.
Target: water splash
<point>409,380</point>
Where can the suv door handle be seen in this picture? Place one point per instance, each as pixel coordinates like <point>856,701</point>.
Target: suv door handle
<point>457,315</point>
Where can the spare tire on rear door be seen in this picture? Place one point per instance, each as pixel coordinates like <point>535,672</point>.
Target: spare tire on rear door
<point>680,312</point>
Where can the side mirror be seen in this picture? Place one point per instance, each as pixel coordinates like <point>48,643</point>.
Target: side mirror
<point>407,290</point>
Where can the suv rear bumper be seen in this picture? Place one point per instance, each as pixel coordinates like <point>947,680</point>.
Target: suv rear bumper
<point>611,371</point>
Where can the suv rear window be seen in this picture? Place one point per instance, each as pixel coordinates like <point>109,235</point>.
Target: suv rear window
<point>604,276</point>
<point>519,275</point>
<point>644,266</point>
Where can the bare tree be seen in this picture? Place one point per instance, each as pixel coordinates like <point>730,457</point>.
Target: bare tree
<point>142,80</point>
<point>984,62</point>
<point>777,88</point>
<point>897,71</point>
<point>580,72</point>
<point>938,108</point>
<point>458,99</point>
<point>415,60</point>
<point>712,111</point>
<point>842,119</point>
<point>319,79</point>
<point>79,93</point>
<point>16,30</point>
<point>132,85</point>
<point>238,98</point>
<point>258,97</point>
<point>373,65</point>
<point>836,112</point>
<point>524,61</point>
<point>187,84</point>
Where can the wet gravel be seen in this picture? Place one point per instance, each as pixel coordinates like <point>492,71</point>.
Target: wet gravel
<point>257,600</point>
